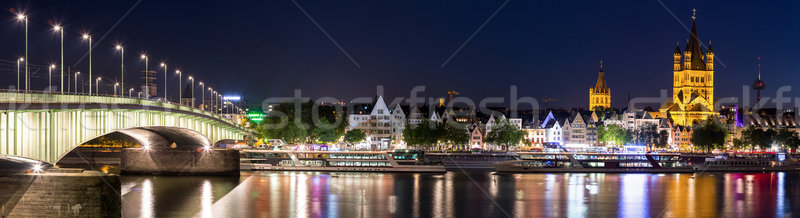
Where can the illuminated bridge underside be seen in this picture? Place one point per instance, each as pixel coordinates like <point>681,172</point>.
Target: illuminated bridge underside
<point>162,136</point>
<point>47,131</point>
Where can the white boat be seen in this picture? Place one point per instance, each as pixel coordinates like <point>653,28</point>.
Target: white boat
<point>567,162</point>
<point>749,162</point>
<point>337,161</point>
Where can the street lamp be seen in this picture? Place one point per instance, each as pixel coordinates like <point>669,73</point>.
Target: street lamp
<point>76,81</point>
<point>130,93</point>
<point>192,85</point>
<point>50,78</point>
<point>180,89</point>
<point>202,96</point>
<point>165,80</point>
<point>18,61</point>
<point>211,92</point>
<point>88,37</point>
<point>97,86</point>
<point>122,67</point>
<point>146,82</point>
<point>61,32</point>
<point>115,89</point>
<point>24,18</point>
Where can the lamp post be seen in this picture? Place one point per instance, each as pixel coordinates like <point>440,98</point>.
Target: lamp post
<point>24,18</point>
<point>211,92</point>
<point>165,80</point>
<point>191,79</point>
<point>130,93</point>
<point>61,32</point>
<point>76,81</point>
<point>88,37</point>
<point>202,96</point>
<point>18,61</point>
<point>180,89</point>
<point>115,89</point>
<point>97,86</point>
<point>122,68</point>
<point>146,82</point>
<point>50,78</point>
<point>219,100</point>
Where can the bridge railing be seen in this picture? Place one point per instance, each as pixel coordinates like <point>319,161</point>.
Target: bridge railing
<point>19,96</point>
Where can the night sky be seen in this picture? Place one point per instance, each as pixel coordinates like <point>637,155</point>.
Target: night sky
<point>262,49</point>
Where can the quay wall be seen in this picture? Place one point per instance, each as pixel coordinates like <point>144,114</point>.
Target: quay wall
<point>60,193</point>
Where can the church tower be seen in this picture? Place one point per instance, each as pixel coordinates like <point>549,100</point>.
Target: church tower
<point>600,94</point>
<point>693,83</point>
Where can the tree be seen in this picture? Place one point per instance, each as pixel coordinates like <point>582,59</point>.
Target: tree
<point>325,132</point>
<point>505,134</point>
<point>426,134</point>
<point>709,135</point>
<point>613,135</point>
<point>355,136</point>
<point>294,122</point>
<point>650,136</point>
<point>455,134</point>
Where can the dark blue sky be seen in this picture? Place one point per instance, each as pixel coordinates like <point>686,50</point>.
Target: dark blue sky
<point>269,48</point>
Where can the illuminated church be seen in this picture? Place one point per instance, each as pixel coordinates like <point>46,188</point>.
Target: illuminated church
<point>600,94</point>
<point>693,83</point>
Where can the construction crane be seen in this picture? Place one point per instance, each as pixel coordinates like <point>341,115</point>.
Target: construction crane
<point>547,100</point>
<point>451,93</point>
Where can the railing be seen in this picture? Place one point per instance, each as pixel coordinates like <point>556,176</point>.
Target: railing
<point>19,96</point>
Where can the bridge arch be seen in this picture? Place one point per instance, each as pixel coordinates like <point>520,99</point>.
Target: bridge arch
<point>47,126</point>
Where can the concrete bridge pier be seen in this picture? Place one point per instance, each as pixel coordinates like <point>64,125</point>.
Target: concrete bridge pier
<point>165,161</point>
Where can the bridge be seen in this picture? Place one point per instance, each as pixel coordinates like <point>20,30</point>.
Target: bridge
<point>46,126</point>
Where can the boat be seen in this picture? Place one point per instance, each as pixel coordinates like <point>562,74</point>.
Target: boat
<point>569,162</point>
<point>749,162</point>
<point>410,161</point>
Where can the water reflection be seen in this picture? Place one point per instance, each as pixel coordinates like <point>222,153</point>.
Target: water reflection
<point>168,196</point>
<point>475,194</point>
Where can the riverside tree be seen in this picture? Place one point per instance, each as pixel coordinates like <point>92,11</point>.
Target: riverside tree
<point>355,136</point>
<point>709,135</point>
<point>614,135</point>
<point>505,134</point>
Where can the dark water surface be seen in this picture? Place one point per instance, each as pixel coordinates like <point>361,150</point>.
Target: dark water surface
<point>455,194</point>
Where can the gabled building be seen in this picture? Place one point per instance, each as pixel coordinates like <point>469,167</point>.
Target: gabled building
<point>398,125</point>
<point>681,137</point>
<point>476,137</point>
<point>580,131</point>
<point>415,116</point>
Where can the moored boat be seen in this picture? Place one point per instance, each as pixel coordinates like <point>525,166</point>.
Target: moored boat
<point>338,161</point>
<point>749,162</point>
<point>567,162</point>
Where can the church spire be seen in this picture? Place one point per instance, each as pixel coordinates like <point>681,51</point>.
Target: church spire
<point>601,87</point>
<point>694,48</point>
<point>601,65</point>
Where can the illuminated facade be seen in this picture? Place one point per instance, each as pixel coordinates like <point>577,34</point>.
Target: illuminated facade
<point>600,94</point>
<point>693,84</point>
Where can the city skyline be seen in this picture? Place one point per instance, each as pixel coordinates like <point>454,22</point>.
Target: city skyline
<point>533,46</point>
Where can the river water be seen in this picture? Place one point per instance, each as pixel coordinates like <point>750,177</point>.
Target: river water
<point>463,194</point>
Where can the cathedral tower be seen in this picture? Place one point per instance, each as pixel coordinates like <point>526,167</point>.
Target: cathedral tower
<point>600,94</point>
<point>693,83</point>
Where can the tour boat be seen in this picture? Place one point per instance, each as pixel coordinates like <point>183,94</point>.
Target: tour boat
<point>749,162</point>
<point>337,161</point>
<point>568,162</point>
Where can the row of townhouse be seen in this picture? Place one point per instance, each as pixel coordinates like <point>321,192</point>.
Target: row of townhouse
<point>384,126</point>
